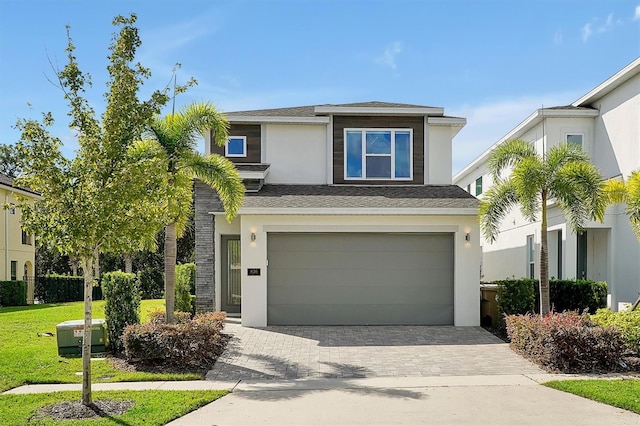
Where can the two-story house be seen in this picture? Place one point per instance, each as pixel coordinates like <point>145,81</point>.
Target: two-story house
<point>349,217</point>
<point>606,123</point>
<point>17,247</point>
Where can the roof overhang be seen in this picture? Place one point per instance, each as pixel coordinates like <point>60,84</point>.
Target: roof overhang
<point>257,119</point>
<point>344,110</point>
<point>610,84</point>
<point>356,211</point>
<point>20,191</point>
<point>455,123</point>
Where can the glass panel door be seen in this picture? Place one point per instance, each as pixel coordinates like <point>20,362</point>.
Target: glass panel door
<point>231,274</point>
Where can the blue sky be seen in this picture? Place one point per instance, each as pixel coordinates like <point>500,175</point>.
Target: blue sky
<point>492,62</point>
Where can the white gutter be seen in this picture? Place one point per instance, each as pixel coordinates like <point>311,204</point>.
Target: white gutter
<point>462,211</point>
<point>610,84</point>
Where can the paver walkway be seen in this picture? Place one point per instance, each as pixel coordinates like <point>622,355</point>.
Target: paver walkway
<point>286,352</point>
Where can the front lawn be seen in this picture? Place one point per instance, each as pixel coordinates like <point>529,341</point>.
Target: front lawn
<point>152,407</point>
<point>619,393</point>
<point>28,355</point>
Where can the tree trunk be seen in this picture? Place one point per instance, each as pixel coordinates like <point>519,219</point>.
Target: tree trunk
<point>128,263</point>
<point>88,265</point>
<point>544,260</point>
<point>170,270</point>
<point>73,262</point>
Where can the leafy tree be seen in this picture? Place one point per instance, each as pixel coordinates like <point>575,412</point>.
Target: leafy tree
<point>627,192</point>
<point>99,201</point>
<point>564,175</point>
<point>10,161</point>
<point>177,134</point>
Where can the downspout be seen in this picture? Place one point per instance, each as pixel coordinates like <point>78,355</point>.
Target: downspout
<point>6,238</point>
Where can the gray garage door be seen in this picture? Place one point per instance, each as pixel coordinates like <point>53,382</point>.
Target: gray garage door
<point>359,278</point>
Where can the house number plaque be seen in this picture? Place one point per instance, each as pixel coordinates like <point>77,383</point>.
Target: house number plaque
<point>253,272</point>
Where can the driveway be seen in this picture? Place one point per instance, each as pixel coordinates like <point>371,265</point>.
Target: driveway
<point>287,352</point>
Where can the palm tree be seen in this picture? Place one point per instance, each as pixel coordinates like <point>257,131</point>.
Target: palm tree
<point>177,134</point>
<point>563,175</point>
<point>629,193</point>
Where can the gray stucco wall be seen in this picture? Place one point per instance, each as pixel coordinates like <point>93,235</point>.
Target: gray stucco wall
<point>206,200</point>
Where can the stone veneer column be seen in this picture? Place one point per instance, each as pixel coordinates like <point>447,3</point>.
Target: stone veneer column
<point>206,200</point>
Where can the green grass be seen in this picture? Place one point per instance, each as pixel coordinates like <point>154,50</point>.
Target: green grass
<point>151,407</point>
<point>619,393</point>
<point>26,358</point>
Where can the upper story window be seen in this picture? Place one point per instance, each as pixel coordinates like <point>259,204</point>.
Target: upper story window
<point>575,138</point>
<point>378,154</point>
<point>236,147</point>
<point>531,261</point>
<point>26,238</point>
<point>479,186</point>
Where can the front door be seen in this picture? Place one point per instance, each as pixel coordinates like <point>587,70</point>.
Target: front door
<point>231,271</point>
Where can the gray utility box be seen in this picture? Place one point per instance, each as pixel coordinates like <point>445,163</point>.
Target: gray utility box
<point>69,335</point>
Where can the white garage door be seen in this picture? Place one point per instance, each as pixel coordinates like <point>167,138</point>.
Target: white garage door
<point>359,279</point>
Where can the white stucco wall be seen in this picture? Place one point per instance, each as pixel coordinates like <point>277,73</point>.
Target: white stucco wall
<point>254,254</point>
<point>297,153</point>
<point>438,159</point>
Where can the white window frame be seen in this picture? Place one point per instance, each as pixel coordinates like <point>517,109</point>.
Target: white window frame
<point>531,256</point>
<point>244,147</point>
<point>392,155</point>
<point>567,134</point>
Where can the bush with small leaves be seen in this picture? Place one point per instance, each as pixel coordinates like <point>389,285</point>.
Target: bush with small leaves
<point>122,305</point>
<point>13,293</point>
<point>566,342</point>
<point>628,322</point>
<point>158,317</point>
<point>185,283</point>
<point>195,343</point>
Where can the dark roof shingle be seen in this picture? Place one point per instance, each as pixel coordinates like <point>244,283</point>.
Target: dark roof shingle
<point>359,197</point>
<point>309,110</point>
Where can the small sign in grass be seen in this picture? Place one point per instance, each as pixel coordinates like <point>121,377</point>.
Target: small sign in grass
<point>621,393</point>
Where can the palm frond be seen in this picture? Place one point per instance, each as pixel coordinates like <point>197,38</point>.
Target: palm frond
<point>494,206</point>
<point>529,180</point>
<point>508,154</point>
<point>564,153</point>
<point>219,173</point>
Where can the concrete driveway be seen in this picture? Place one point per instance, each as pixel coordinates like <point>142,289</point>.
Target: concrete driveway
<point>286,352</point>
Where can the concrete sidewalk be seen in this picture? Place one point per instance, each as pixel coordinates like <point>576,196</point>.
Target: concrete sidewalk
<point>451,400</point>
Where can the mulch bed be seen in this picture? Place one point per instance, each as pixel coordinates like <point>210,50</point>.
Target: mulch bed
<point>75,410</point>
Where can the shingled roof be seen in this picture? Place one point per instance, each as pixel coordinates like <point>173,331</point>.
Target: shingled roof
<point>360,197</point>
<point>309,110</point>
<point>9,182</point>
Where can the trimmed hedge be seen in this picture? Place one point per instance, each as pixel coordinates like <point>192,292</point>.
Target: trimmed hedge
<point>628,322</point>
<point>196,343</point>
<point>62,288</point>
<point>122,304</point>
<point>520,296</point>
<point>566,342</point>
<point>13,293</point>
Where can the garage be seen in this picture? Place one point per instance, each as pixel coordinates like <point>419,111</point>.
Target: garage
<point>360,278</point>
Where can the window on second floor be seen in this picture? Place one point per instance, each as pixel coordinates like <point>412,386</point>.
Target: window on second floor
<point>378,154</point>
<point>575,138</point>
<point>236,147</point>
<point>26,238</point>
<point>479,186</point>
<point>14,270</point>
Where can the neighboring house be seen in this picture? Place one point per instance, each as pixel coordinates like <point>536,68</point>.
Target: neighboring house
<point>17,248</point>
<point>606,123</point>
<point>349,217</point>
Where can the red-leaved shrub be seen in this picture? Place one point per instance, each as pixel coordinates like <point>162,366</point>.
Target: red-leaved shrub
<point>567,342</point>
<point>196,343</point>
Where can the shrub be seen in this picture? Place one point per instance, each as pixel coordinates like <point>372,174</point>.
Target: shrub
<point>628,322</point>
<point>158,317</point>
<point>122,305</point>
<point>571,295</point>
<point>516,296</point>
<point>151,283</point>
<point>62,288</point>
<point>13,293</point>
<point>185,285</point>
<point>567,341</point>
<point>196,343</point>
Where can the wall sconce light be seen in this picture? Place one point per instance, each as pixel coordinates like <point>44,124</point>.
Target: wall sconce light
<point>467,237</point>
<point>253,237</point>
